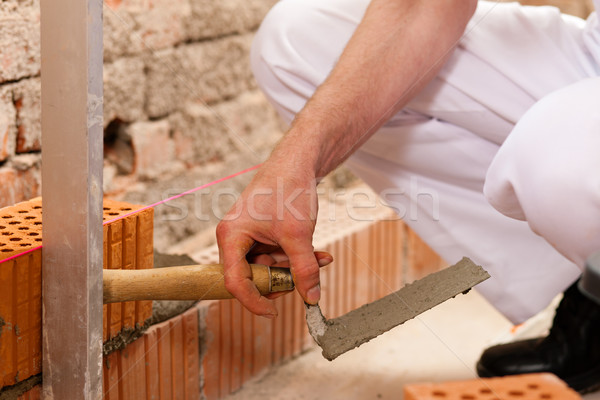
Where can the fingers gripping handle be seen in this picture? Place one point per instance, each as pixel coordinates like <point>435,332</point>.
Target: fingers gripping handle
<point>190,282</point>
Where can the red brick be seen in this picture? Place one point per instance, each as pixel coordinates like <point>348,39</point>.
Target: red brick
<point>153,147</point>
<point>129,262</point>
<point>162,364</point>
<point>113,4</point>
<point>211,363</point>
<point>165,376</point>
<point>27,101</point>
<point>110,373</point>
<point>177,357</point>
<point>421,260</point>
<point>263,337</point>
<point>35,393</point>
<point>225,345</point>
<point>17,186</point>
<point>132,377</point>
<point>521,387</point>
<point>21,285</point>
<point>152,370</point>
<point>248,348</point>
<point>145,259</point>
<point>278,332</point>
<point>237,333</point>
<point>191,365</point>
<point>21,314</point>
<point>287,333</point>
<point>8,128</point>
<point>298,323</point>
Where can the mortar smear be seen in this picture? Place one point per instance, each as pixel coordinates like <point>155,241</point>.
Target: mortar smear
<point>338,335</point>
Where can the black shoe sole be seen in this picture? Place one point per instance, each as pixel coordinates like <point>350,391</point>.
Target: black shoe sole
<point>583,383</point>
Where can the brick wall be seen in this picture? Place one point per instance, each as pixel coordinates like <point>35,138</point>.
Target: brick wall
<point>180,107</point>
<point>180,102</point>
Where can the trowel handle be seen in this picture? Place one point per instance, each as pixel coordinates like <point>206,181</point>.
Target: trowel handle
<point>189,282</point>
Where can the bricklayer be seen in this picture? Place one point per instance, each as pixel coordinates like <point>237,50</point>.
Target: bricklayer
<point>127,244</point>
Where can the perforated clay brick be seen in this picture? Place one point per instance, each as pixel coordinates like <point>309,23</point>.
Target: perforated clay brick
<point>518,387</point>
<point>131,246</point>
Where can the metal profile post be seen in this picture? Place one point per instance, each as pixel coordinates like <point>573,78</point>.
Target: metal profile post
<point>71,42</point>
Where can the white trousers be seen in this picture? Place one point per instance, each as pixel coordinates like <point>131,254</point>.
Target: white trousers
<point>430,160</point>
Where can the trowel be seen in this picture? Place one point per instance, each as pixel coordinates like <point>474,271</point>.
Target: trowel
<point>335,336</point>
<point>339,335</point>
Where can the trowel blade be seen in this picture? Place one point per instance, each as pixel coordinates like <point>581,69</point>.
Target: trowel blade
<point>338,335</point>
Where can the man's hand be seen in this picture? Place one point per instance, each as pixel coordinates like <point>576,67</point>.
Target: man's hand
<point>395,51</point>
<point>272,223</point>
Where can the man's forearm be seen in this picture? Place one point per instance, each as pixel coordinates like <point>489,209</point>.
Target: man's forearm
<point>396,50</point>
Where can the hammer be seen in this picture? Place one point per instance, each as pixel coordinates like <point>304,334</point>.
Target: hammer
<point>188,282</point>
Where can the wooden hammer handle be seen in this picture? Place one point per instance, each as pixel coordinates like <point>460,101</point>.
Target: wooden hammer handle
<point>189,282</point>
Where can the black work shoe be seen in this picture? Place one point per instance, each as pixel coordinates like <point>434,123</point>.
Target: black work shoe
<point>571,350</point>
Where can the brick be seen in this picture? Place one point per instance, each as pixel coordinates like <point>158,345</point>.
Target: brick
<point>132,368</point>
<point>237,332</point>
<point>20,293</point>
<point>21,283</point>
<point>210,19</point>
<point>124,84</point>
<point>19,185</point>
<point>211,361</point>
<point>278,331</point>
<point>248,350</point>
<point>144,259</point>
<point>228,126</point>
<point>146,25</point>
<point>163,363</point>
<point>421,260</point>
<point>198,72</point>
<point>129,262</point>
<point>35,393</point>
<point>226,346</point>
<point>8,127</point>
<point>165,376</point>
<point>28,106</point>
<point>300,328</point>
<point>151,362</point>
<point>20,41</point>
<point>128,243</point>
<point>191,361</point>
<point>522,387</point>
<point>119,34</point>
<point>153,148</point>
<point>177,357</point>
<point>262,338</point>
<point>287,316</point>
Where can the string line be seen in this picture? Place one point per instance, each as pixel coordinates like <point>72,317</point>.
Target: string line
<point>203,186</point>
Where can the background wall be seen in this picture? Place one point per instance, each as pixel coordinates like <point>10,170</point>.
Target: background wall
<point>181,107</point>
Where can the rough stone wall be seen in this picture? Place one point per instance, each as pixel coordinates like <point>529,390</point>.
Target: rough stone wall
<point>180,103</point>
<point>180,109</point>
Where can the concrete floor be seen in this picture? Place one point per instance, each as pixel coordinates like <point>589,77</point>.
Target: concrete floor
<point>440,345</point>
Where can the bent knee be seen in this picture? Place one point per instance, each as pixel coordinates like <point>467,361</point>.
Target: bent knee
<point>547,170</point>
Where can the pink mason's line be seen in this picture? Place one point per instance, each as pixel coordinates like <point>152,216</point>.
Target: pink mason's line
<point>184,193</point>
<point>151,205</point>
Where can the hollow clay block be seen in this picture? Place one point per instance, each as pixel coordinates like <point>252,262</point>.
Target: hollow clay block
<point>518,387</point>
<point>21,283</point>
